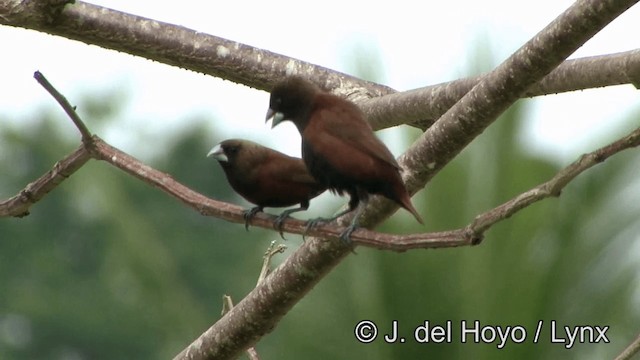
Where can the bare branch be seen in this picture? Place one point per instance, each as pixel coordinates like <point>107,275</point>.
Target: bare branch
<point>502,87</point>
<point>554,186</point>
<point>234,213</point>
<point>473,233</point>
<point>630,351</point>
<point>307,265</point>
<point>260,69</point>
<point>100,150</point>
<point>177,46</point>
<point>19,204</point>
<point>260,311</point>
<point>227,305</point>
<point>272,250</point>
<point>591,72</point>
<point>227,302</point>
<point>70,110</point>
<point>428,103</point>
<point>470,235</point>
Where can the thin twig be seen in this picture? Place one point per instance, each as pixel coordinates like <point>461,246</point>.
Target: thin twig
<point>19,204</point>
<point>227,304</point>
<point>554,186</point>
<point>227,301</point>
<point>272,250</point>
<point>70,110</point>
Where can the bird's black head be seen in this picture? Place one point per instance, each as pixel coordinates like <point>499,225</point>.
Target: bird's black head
<point>239,154</point>
<point>292,99</point>
<point>227,151</point>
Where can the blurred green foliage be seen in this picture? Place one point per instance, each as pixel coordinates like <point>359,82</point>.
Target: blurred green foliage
<point>106,267</point>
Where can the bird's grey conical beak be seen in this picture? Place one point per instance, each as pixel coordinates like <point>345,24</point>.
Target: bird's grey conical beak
<point>270,114</point>
<point>217,153</point>
<point>277,116</point>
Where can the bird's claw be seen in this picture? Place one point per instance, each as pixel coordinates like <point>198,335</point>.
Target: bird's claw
<point>279,222</point>
<point>311,224</point>
<point>345,237</point>
<point>247,215</point>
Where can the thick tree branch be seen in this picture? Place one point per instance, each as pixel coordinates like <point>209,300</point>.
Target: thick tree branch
<point>428,103</point>
<point>502,87</point>
<point>494,93</point>
<point>261,310</point>
<point>189,49</point>
<point>272,250</point>
<point>175,45</point>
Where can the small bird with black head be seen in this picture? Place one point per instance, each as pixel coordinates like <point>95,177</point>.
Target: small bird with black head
<point>266,178</point>
<point>339,147</point>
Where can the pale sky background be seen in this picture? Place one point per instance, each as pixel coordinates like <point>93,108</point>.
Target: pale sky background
<point>420,43</point>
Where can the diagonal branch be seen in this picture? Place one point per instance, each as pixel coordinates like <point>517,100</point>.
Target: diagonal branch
<point>503,86</point>
<point>260,310</point>
<point>258,68</point>
<point>272,250</point>
<point>554,186</point>
<point>86,135</point>
<point>19,204</point>
<point>630,351</point>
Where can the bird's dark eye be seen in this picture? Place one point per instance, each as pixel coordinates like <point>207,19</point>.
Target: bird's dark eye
<point>231,150</point>
<point>278,102</point>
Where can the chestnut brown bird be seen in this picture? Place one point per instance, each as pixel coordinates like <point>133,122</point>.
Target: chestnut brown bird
<point>266,178</point>
<point>339,147</point>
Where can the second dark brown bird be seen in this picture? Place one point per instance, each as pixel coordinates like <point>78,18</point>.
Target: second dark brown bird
<point>338,146</point>
<point>266,177</point>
